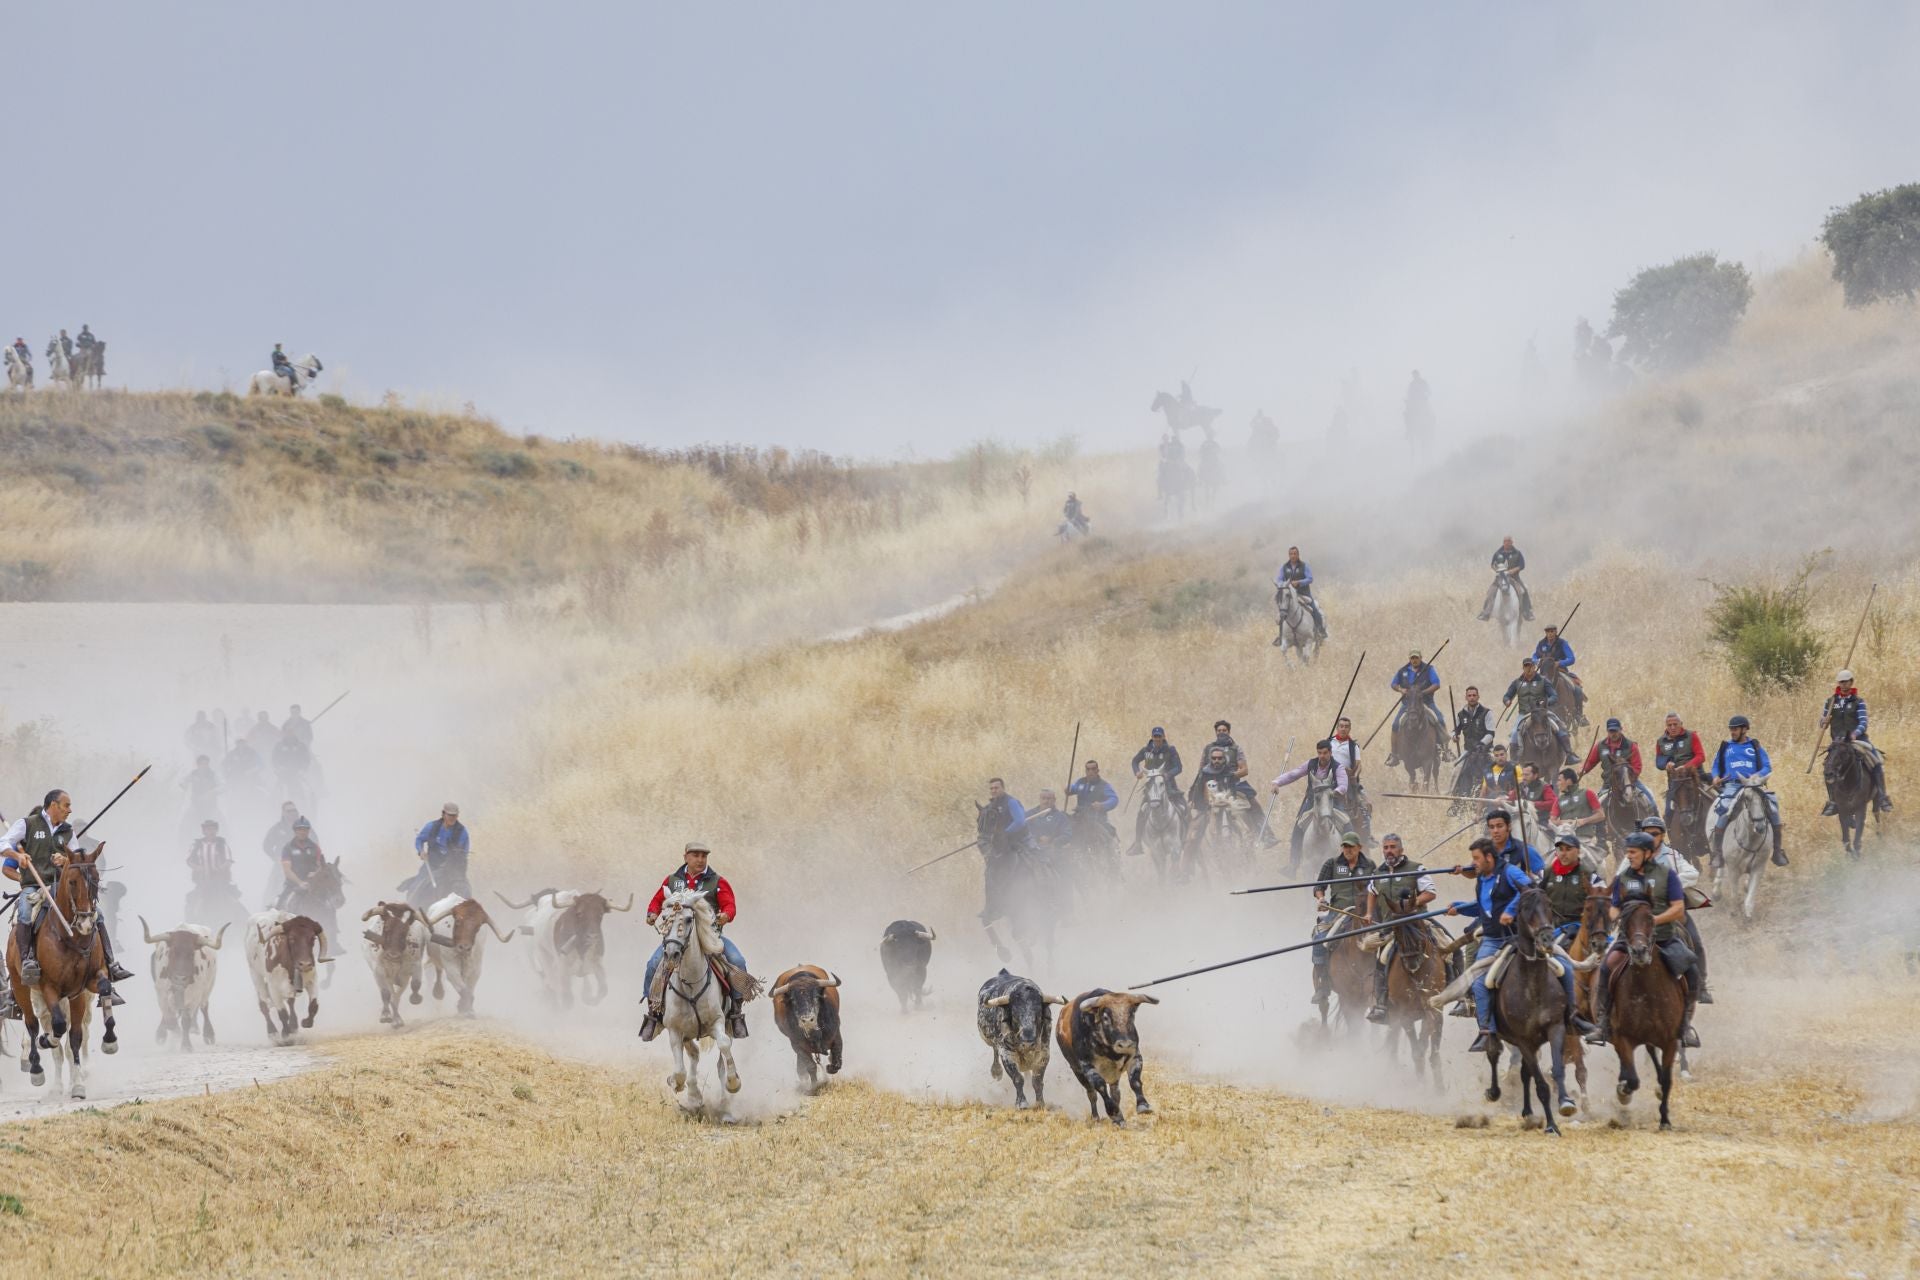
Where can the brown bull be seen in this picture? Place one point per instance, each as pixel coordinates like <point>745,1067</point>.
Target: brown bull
<point>1096,1037</point>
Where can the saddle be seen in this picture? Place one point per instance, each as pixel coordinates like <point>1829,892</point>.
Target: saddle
<point>1504,961</point>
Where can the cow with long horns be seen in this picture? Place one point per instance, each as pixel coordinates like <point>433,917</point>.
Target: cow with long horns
<point>806,1008</point>
<point>184,965</point>
<point>396,950</point>
<point>1098,1041</point>
<point>568,942</point>
<point>1012,1019</point>
<point>905,949</point>
<point>456,951</point>
<point>284,953</point>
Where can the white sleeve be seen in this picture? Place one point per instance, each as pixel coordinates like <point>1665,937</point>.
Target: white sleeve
<point>15,834</point>
<point>1425,885</point>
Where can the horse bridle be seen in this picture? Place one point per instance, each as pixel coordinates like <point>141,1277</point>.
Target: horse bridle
<point>691,997</point>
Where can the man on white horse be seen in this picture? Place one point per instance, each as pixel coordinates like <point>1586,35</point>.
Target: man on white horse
<point>695,874</point>
<point>24,356</point>
<point>1296,571</point>
<point>283,367</point>
<point>1739,759</point>
<point>1510,560</point>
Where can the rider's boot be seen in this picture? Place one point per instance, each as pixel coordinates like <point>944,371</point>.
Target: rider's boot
<point>1322,984</point>
<point>1379,1011</point>
<point>1830,810</point>
<point>1689,1038</point>
<point>23,934</point>
<point>1602,1032</point>
<point>736,1020</point>
<point>1717,856</point>
<point>1779,854</point>
<point>650,1024</point>
<point>1482,1041</point>
<point>1881,804</point>
<point>116,972</point>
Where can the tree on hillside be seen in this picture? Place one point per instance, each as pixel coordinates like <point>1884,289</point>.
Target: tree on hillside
<point>1672,316</point>
<point>1875,242</point>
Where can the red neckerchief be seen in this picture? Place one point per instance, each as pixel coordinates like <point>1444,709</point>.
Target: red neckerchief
<point>1847,692</point>
<point>1562,868</point>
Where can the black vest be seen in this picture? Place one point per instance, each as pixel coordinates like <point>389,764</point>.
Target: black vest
<point>708,886</point>
<point>38,846</point>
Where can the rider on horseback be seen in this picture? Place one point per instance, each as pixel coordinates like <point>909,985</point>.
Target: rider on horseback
<point>1340,905</point>
<point>1738,759</point>
<point>1296,571</point>
<point>1576,806</point>
<point>85,340</point>
<point>1534,790</point>
<point>1566,881</point>
<point>1509,849</point>
<point>1075,515</point>
<point>1679,755</point>
<point>209,860</point>
<point>1508,559</point>
<point>1418,684</point>
<point>1093,799</point>
<point>298,862</point>
<point>1643,880</point>
<point>1473,724</point>
<point>694,873</point>
<point>66,346</point>
<point>1321,772</point>
<point>1226,767</point>
<point>1612,751</point>
<point>1500,782</point>
<point>35,849</point>
<point>1668,856</point>
<point>1554,652</point>
<point>1403,895</point>
<point>1161,755</point>
<point>1845,719</point>
<point>1532,690</point>
<point>24,355</point>
<point>1497,885</point>
<point>283,367</point>
<point>1047,828</point>
<point>1347,752</point>
<point>442,846</point>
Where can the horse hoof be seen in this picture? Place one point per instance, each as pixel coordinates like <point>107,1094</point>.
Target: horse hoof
<point>1144,1108</point>
<point>1666,1126</point>
<point>79,1091</point>
<point>677,1081</point>
<point>1492,1095</point>
<point>1685,1074</point>
<point>38,1078</point>
<point>1553,1130</point>
<point>1568,1106</point>
<point>109,1046</point>
<point>733,1084</point>
<point>1623,1095</point>
<point>1529,1122</point>
<point>415,998</point>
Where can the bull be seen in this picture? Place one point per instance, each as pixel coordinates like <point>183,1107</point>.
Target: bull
<point>568,944</point>
<point>396,952</point>
<point>1012,1019</point>
<point>184,965</point>
<point>806,1008</point>
<point>284,953</point>
<point>1096,1037</point>
<point>905,949</point>
<point>456,954</point>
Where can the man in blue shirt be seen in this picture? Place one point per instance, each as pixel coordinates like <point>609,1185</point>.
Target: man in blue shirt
<point>1497,886</point>
<point>1515,853</point>
<point>997,798</point>
<point>442,847</point>
<point>1295,570</point>
<point>1046,827</point>
<point>1093,799</point>
<point>1740,758</point>
<point>1556,655</point>
<point>1418,684</point>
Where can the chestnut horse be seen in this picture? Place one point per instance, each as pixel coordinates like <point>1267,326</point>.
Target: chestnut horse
<point>1647,1007</point>
<point>72,964</point>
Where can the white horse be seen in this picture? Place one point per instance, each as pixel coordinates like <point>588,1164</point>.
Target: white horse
<point>58,370</point>
<point>1747,843</point>
<point>1296,627</point>
<point>19,372</point>
<point>268,383</point>
<point>694,1010</point>
<point>1506,608</point>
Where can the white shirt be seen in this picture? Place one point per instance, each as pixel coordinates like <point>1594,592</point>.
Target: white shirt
<point>1422,885</point>
<point>15,834</point>
<point>1347,753</point>
<point>1673,862</point>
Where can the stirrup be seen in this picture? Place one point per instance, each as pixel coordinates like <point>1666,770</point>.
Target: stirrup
<point>1830,811</point>
<point>1602,1034</point>
<point>119,972</point>
<point>1705,996</point>
<point>1481,1043</point>
<point>1377,1014</point>
<point>1689,1038</point>
<point>737,1025</point>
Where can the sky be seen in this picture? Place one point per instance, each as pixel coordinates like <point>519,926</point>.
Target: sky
<point>888,230</point>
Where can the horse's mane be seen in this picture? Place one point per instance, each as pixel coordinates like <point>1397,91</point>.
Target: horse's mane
<point>703,925</point>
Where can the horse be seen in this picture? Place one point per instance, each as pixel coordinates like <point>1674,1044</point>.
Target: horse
<point>1590,940</point>
<point>1350,975</point>
<point>1849,782</point>
<point>1160,828</point>
<point>267,382</point>
<point>1415,741</point>
<point>1211,475</point>
<point>73,960</point>
<point>1021,887</point>
<point>19,372</point>
<point>1536,743</point>
<point>694,1010</point>
<point>1569,692</point>
<point>90,364</point>
<point>1175,482</point>
<point>1466,781</point>
<point>1224,829</point>
<point>1529,1010</point>
<point>1647,1006</point>
<point>1506,607</point>
<point>1297,633</point>
<point>1181,414</point>
<point>1688,803</point>
<point>1747,843</point>
<point>1624,804</point>
<point>1416,972</point>
<point>59,371</point>
<point>1321,826</point>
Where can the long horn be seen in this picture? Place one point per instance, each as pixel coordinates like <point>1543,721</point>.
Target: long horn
<point>628,907</point>
<point>433,920</point>
<point>1000,1002</point>
<point>1053,1000</point>
<point>218,936</point>
<point>371,913</point>
<point>927,934</point>
<point>145,932</point>
<point>778,991</point>
<point>421,916</point>
<point>517,906</point>
<point>834,976</point>
<point>504,937</point>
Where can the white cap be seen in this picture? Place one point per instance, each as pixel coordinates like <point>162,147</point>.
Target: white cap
<point>1845,677</point>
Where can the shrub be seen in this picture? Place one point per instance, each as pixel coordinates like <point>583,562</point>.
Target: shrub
<point>331,401</point>
<point>1767,633</point>
<point>1875,243</point>
<point>1672,316</point>
<point>508,464</point>
<point>222,437</point>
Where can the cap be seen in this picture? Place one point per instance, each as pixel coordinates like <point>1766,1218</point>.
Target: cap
<point>1653,822</point>
<point>1845,677</point>
<point>1568,839</point>
<point>1528,661</point>
<point>1613,722</point>
<point>1414,656</point>
<point>1158,732</point>
<point>696,846</point>
<point>451,809</point>
<point>1349,838</point>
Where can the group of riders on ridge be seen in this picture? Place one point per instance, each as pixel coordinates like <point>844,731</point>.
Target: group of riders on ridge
<point>78,354</point>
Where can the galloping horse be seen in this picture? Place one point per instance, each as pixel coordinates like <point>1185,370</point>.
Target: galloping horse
<point>694,1011</point>
<point>1570,694</point>
<point>1466,780</point>
<point>1624,804</point>
<point>1160,829</point>
<point>268,383</point>
<point>1849,782</point>
<point>1181,415</point>
<point>1536,743</point>
<point>1747,843</point>
<point>1529,1010</point>
<point>1021,887</point>
<point>1211,472</point>
<point>1415,974</point>
<point>1688,803</point>
<point>1175,487</point>
<point>1588,942</point>
<point>90,365</point>
<point>1297,633</point>
<point>1416,741</point>
<point>1320,829</point>
<point>1506,607</point>
<point>72,963</point>
<point>59,372</point>
<point>1647,1006</point>
<point>19,372</point>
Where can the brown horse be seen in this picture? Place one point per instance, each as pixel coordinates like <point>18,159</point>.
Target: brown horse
<point>1688,803</point>
<point>73,963</point>
<point>1588,941</point>
<point>1350,974</point>
<point>1530,1010</point>
<point>1416,972</point>
<point>1624,805</point>
<point>1647,1006</point>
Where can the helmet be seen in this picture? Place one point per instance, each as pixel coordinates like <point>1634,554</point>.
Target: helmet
<point>1653,822</point>
<point>1639,840</point>
<point>1739,722</point>
<point>1845,677</point>
<point>303,825</point>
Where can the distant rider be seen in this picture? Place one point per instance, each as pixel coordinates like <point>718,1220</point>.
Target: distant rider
<point>443,847</point>
<point>1163,756</point>
<point>1552,650</point>
<point>1844,717</point>
<point>1740,758</point>
<point>1093,799</point>
<point>1531,690</point>
<point>1075,515</point>
<point>1418,684</point>
<point>1296,571</point>
<point>1511,560</point>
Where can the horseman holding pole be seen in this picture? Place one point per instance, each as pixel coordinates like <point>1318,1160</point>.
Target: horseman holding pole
<point>1406,893</point>
<point>1321,772</point>
<point>1844,717</point>
<point>1498,884</point>
<point>1531,691</point>
<point>34,850</point>
<point>1418,684</point>
<point>1339,902</point>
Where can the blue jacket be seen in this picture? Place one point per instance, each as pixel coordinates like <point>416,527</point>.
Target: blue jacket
<point>1740,760</point>
<point>1565,653</point>
<point>436,834</point>
<point>1018,812</point>
<point>1514,853</point>
<point>1173,765</point>
<point>1407,678</point>
<point>1100,795</point>
<point>1494,894</point>
<point>1299,576</point>
<point>1049,826</point>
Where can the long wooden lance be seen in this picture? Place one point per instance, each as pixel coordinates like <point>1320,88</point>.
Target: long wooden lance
<point>330,706</point>
<point>1396,702</point>
<point>1562,630</point>
<point>942,858</point>
<point>1348,694</point>
<point>1827,719</point>
<point>1073,757</point>
<point>1298,946</point>
<point>116,800</point>
<point>1383,875</point>
<point>1267,817</point>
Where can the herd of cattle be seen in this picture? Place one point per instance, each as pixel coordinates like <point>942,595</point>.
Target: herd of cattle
<point>1094,1031</point>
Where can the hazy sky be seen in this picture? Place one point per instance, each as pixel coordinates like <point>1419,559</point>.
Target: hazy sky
<point>882,228</point>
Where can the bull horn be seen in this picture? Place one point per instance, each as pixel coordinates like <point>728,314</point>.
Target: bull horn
<point>504,937</point>
<point>926,933</point>
<point>371,913</point>
<point>1054,1000</point>
<point>433,920</point>
<point>1000,1002</point>
<point>628,907</point>
<point>1137,999</point>
<point>834,976</point>
<point>218,936</point>
<point>145,932</point>
<point>421,916</point>
<point>517,906</point>
<point>778,991</point>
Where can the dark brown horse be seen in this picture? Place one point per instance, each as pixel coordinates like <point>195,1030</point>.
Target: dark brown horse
<point>1646,1006</point>
<point>72,964</point>
<point>1624,805</point>
<point>1688,803</point>
<point>1586,943</point>
<point>1416,973</point>
<point>1530,1010</point>
<point>1416,742</point>
<point>1849,782</point>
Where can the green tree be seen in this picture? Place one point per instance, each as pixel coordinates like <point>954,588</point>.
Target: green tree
<point>1672,316</point>
<point>1875,242</point>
